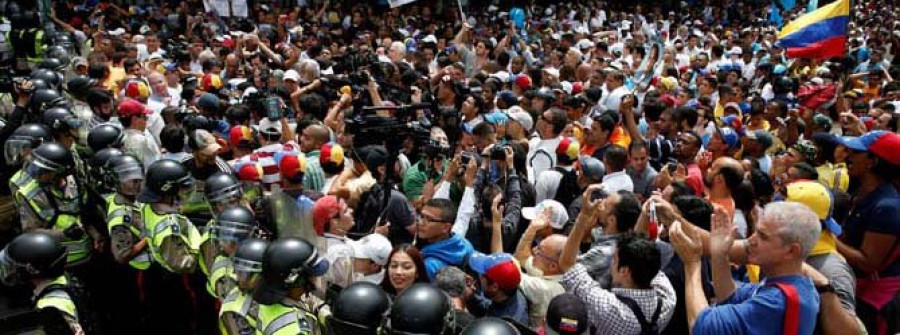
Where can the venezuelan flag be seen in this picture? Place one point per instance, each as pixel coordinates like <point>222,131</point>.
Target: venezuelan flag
<point>819,34</point>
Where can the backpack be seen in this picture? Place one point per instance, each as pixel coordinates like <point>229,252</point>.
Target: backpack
<point>647,328</point>
<point>568,187</point>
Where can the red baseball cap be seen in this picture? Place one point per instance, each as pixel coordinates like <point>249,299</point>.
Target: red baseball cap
<point>523,81</point>
<point>241,136</point>
<point>131,107</point>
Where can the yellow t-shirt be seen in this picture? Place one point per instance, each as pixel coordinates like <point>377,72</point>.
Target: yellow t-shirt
<point>116,74</point>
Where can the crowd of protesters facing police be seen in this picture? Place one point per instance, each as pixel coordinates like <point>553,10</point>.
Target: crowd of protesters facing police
<point>590,167</point>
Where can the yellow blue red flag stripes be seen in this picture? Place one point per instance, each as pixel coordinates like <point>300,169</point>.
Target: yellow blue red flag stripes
<point>819,34</point>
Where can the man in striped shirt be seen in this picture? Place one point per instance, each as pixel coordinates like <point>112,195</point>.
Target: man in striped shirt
<point>267,155</point>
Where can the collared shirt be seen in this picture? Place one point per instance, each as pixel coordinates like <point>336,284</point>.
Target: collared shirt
<point>609,314</point>
<point>539,291</point>
<point>314,177</point>
<point>616,181</point>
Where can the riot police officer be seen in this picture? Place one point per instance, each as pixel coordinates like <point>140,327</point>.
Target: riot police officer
<point>104,136</point>
<point>286,305</point>
<point>360,308</point>
<point>49,202</point>
<point>39,257</point>
<point>238,314</point>
<point>17,150</point>
<point>490,326</point>
<point>221,190</point>
<point>129,243</point>
<point>232,226</point>
<point>420,309</point>
<point>171,240</point>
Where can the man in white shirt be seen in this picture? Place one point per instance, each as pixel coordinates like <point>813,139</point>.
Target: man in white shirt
<point>541,150</point>
<point>615,160</point>
<point>615,83</point>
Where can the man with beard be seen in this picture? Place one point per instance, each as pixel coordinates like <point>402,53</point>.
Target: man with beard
<point>686,147</point>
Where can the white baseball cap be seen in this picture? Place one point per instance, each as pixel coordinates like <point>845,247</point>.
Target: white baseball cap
<point>375,247</point>
<point>291,75</point>
<point>558,214</point>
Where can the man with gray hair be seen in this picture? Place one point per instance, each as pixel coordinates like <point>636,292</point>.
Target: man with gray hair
<point>459,287</point>
<point>784,301</point>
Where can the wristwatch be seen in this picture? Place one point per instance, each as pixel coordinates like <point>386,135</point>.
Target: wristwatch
<point>827,288</point>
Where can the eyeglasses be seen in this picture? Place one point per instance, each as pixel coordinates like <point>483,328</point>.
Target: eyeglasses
<point>537,253</point>
<point>422,218</point>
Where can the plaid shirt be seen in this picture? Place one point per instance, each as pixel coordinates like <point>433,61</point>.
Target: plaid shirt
<point>607,313</point>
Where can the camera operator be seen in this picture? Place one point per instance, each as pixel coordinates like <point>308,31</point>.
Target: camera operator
<point>22,90</point>
<point>422,177</point>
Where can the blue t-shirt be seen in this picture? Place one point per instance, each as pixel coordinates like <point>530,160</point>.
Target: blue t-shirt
<point>877,212</point>
<point>760,309</point>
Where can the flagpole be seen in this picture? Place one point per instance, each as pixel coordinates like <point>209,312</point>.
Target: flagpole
<point>461,12</point>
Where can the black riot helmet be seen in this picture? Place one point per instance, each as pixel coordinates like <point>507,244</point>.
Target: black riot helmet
<point>39,84</point>
<point>61,120</point>
<point>46,98</point>
<point>53,78</point>
<point>420,309</point>
<point>248,260</point>
<point>288,263</point>
<point>52,64</point>
<point>222,187</point>
<point>50,157</point>
<point>105,136</point>
<point>26,137</point>
<point>102,157</point>
<point>165,177</point>
<point>360,308</point>
<point>79,86</point>
<point>59,53</point>
<point>490,326</point>
<point>34,254</point>
<point>234,224</point>
<point>99,161</point>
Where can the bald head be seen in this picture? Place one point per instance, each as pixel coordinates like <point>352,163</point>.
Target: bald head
<point>731,170</point>
<point>554,244</point>
<point>313,137</point>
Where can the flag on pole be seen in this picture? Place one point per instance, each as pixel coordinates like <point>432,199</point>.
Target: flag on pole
<point>398,3</point>
<point>818,34</point>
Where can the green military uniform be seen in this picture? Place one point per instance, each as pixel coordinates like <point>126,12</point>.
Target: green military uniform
<point>279,319</point>
<point>54,295</point>
<point>51,210</point>
<point>239,314</point>
<point>126,230</point>
<point>173,239</point>
<point>221,278</point>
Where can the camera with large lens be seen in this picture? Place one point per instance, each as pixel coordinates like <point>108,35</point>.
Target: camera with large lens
<point>436,149</point>
<point>498,152</point>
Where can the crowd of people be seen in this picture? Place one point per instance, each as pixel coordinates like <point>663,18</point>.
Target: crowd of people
<point>506,167</point>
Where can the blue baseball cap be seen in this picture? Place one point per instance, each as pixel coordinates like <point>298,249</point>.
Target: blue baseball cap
<point>879,142</point>
<point>500,268</point>
<point>730,136</point>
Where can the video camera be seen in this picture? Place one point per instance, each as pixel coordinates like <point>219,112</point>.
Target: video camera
<point>370,128</point>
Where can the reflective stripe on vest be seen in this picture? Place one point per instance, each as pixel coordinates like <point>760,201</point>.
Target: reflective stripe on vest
<point>77,251</point>
<point>115,216</point>
<point>18,181</point>
<point>278,319</point>
<point>58,298</point>
<point>162,227</point>
<point>238,304</point>
<point>222,271</point>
